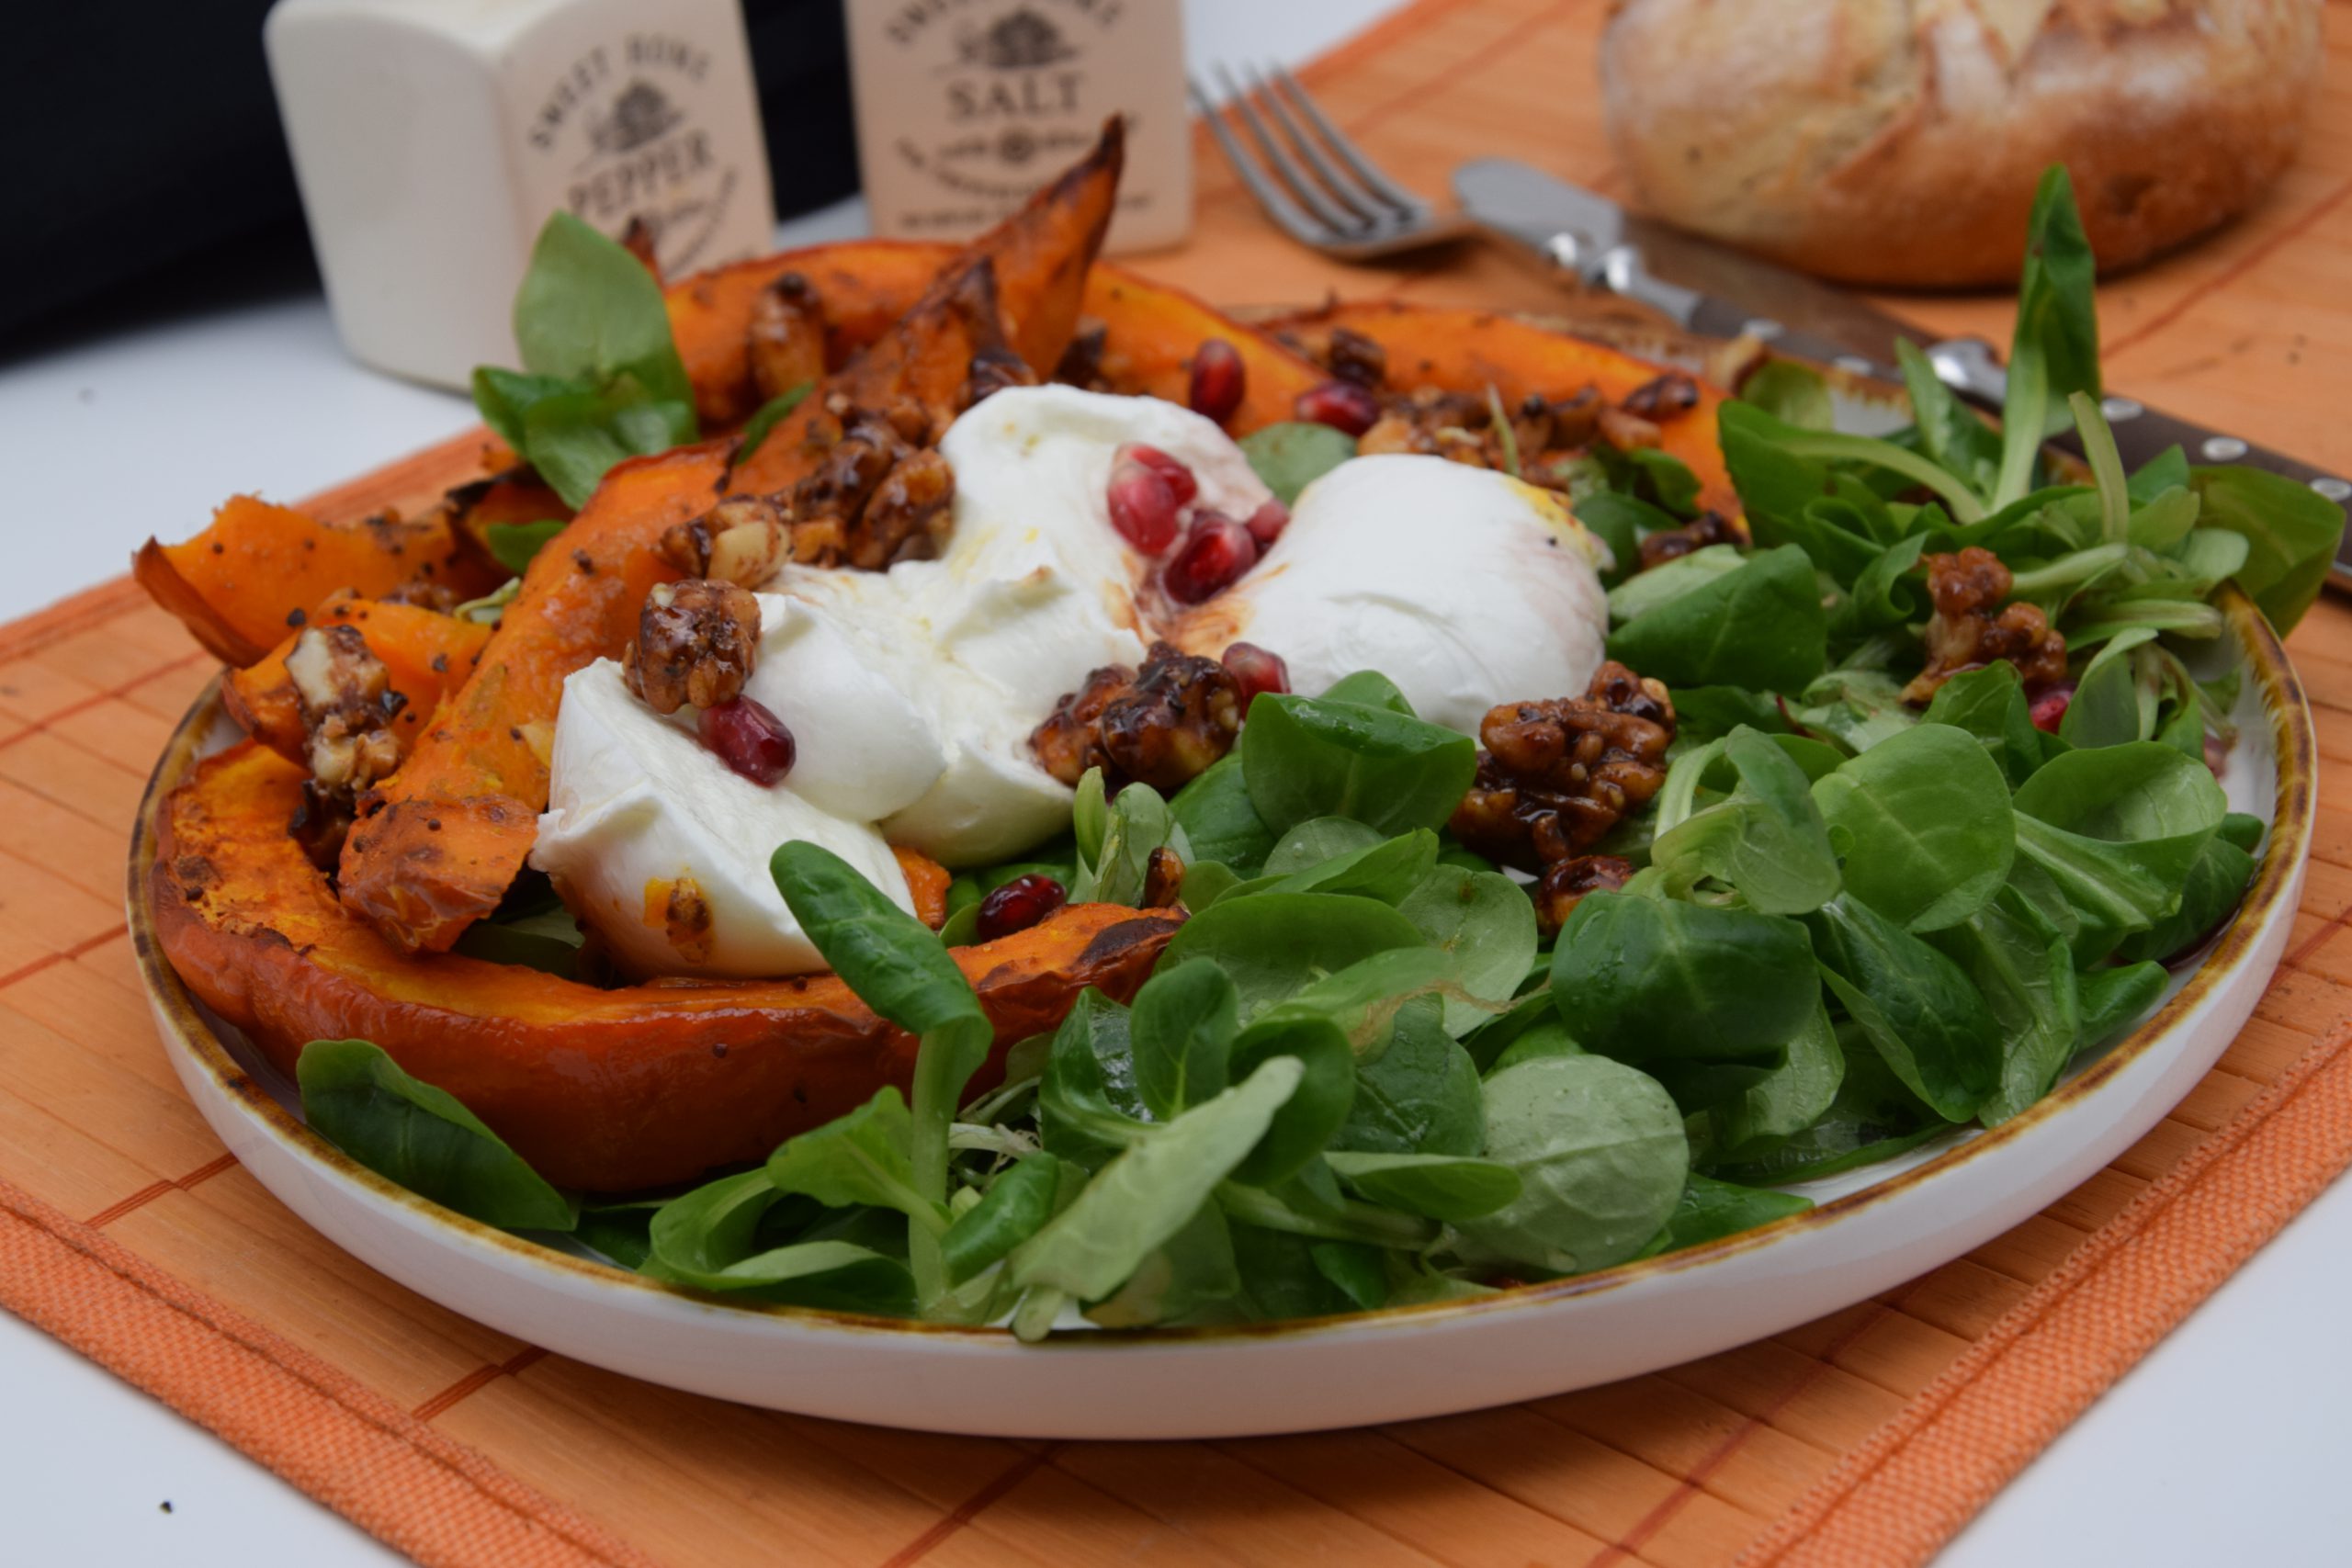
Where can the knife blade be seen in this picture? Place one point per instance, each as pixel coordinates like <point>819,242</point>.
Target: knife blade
<point>1717,292</point>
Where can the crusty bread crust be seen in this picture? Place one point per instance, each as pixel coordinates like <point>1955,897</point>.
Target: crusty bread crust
<point>1898,142</point>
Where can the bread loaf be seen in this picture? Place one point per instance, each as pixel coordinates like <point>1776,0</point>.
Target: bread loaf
<point>1897,142</point>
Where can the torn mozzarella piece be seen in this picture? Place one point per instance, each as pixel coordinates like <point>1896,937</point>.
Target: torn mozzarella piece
<point>1463,585</point>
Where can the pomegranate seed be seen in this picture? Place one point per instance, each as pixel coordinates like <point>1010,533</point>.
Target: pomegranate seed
<point>2051,706</point>
<point>1254,671</point>
<point>1181,483</point>
<point>1266,523</point>
<point>1143,508</point>
<point>1218,379</point>
<point>1214,553</point>
<point>749,739</point>
<point>1020,903</point>
<point>1342,405</point>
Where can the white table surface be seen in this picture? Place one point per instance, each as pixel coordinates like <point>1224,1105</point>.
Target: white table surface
<point>2227,1444</point>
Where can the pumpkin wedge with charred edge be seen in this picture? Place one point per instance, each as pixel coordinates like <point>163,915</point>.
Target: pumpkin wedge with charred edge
<point>1150,331</point>
<point>1460,350</point>
<point>427,654</point>
<point>258,568</point>
<point>603,1091</point>
<point>1018,285</point>
<point>865,286</point>
<point>439,844</point>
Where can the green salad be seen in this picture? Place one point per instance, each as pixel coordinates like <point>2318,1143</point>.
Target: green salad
<point>1873,901</point>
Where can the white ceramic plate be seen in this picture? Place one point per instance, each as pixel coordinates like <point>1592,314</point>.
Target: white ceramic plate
<point>1871,1229</point>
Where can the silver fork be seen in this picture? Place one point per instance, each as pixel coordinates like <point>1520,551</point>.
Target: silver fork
<point>1313,182</point>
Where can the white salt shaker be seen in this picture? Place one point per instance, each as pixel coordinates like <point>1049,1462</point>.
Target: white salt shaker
<point>963,109</point>
<point>431,138</point>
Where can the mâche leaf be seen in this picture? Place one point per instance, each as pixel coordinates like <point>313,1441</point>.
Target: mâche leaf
<point>769,415</point>
<point>1288,457</point>
<point>1760,626</point>
<point>1149,1194</point>
<point>1644,979</point>
<point>515,543</point>
<point>1923,824</point>
<point>1181,1032</point>
<point>1602,1159</point>
<point>1321,757</point>
<point>357,1096</point>
<point>899,969</point>
<point>2291,530</point>
<point>1915,1006</point>
<point>601,378</point>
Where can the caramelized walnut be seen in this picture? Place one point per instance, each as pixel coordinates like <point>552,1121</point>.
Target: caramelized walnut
<point>1162,726</point>
<point>1966,631</point>
<point>1664,398</point>
<point>1353,356</point>
<point>1670,544</point>
<point>1081,362</point>
<point>696,642</point>
<point>319,824</point>
<point>1555,775</point>
<point>1565,882</point>
<point>1163,879</point>
<point>994,367</point>
<point>742,540</point>
<point>907,516</point>
<point>347,704</point>
<point>787,337</point>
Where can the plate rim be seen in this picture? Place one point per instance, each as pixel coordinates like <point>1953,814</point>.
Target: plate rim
<point>187,1030</point>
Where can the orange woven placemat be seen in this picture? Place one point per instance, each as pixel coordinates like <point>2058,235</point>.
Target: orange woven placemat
<point>1866,1437</point>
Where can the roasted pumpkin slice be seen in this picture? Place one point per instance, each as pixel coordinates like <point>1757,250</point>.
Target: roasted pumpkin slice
<point>427,654</point>
<point>260,569</point>
<point>604,1090</point>
<point>1020,286</point>
<point>447,834</point>
<point>862,288</point>
<point>1151,334</point>
<point>1464,350</point>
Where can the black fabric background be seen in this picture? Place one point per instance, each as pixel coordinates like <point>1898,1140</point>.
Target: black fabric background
<point>146,170</point>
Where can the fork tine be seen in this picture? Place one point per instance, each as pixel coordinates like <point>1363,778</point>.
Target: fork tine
<point>1365,170</point>
<point>1270,196</point>
<point>1365,203</point>
<point>1302,186</point>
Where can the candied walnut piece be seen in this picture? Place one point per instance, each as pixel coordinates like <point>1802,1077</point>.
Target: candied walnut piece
<point>1555,775</point>
<point>1353,356</point>
<point>787,337</point>
<point>1565,882</point>
<point>348,702</point>
<point>319,824</point>
<point>994,367</point>
<point>696,642</point>
<point>1966,631</point>
<point>1626,432</point>
<point>1162,726</point>
<point>742,540</point>
<point>1163,879</point>
<point>1668,397</point>
<point>1671,544</point>
<point>1071,740</point>
<point>1081,362</point>
<point>907,516</point>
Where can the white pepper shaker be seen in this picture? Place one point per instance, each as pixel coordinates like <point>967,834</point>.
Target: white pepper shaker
<point>965,108</point>
<point>432,139</point>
